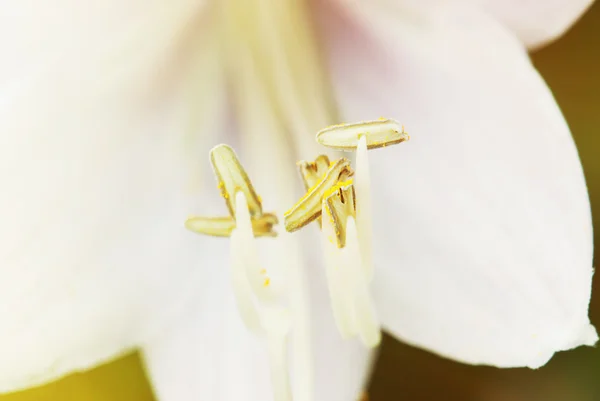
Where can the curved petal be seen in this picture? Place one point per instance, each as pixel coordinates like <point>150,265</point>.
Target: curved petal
<point>208,353</point>
<point>483,237</point>
<point>95,169</point>
<point>537,22</point>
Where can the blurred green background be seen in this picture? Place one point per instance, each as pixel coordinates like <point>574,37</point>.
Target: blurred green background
<point>571,66</point>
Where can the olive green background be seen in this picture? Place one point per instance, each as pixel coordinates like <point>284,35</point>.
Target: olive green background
<point>571,66</point>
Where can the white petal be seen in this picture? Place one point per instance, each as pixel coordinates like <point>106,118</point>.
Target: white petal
<point>96,175</point>
<point>534,22</point>
<point>537,22</point>
<point>483,237</point>
<point>209,354</point>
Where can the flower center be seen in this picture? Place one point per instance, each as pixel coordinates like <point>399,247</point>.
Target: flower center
<point>341,199</point>
<point>280,92</point>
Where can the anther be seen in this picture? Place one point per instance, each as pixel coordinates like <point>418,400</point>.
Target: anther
<point>308,208</point>
<point>232,178</point>
<point>262,226</point>
<point>341,204</point>
<point>378,133</point>
<point>313,172</point>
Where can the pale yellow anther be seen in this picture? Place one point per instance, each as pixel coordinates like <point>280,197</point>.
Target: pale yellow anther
<point>341,204</point>
<point>379,133</point>
<point>262,226</point>
<point>232,178</point>
<point>313,172</point>
<point>308,208</point>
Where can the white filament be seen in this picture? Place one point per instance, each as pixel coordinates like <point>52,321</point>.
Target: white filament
<point>336,280</point>
<point>257,304</point>
<point>254,272</point>
<point>366,322</point>
<point>362,187</point>
<point>302,355</point>
<point>277,322</point>
<point>349,285</point>
<point>241,287</point>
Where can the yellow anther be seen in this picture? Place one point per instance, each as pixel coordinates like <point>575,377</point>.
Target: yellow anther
<point>262,226</point>
<point>308,208</point>
<point>313,172</point>
<point>337,187</point>
<point>340,204</point>
<point>379,133</point>
<point>233,177</point>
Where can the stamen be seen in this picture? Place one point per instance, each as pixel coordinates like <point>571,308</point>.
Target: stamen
<point>250,279</point>
<point>362,185</point>
<point>232,178</point>
<point>262,226</point>
<point>308,208</point>
<point>379,133</point>
<point>257,302</point>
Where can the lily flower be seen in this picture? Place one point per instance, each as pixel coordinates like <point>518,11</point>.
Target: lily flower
<point>482,237</point>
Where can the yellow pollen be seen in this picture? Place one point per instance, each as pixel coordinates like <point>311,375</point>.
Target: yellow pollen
<point>337,187</point>
<point>267,282</point>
